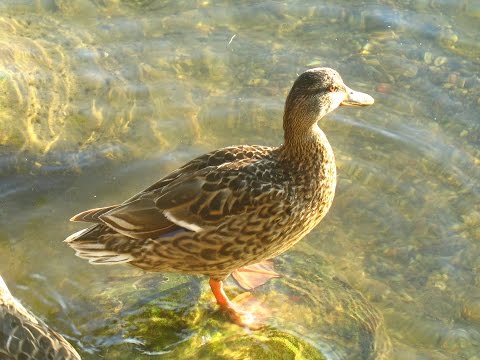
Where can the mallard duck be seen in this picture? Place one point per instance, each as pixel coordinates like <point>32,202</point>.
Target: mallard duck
<point>230,210</point>
<point>23,336</point>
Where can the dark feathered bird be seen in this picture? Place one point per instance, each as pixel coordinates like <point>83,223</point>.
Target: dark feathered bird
<point>23,336</point>
<point>226,211</point>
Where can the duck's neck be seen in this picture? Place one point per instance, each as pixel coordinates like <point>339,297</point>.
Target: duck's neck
<point>306,146</point>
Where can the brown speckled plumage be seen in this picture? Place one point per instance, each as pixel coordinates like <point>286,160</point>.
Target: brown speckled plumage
<point>232,207</point>
<point>23,336</point>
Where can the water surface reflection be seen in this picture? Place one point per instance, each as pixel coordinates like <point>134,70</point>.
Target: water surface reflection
<point>98,99</point>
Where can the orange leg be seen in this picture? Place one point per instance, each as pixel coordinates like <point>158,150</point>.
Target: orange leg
<point>242,318</point>
<point>222,298</point>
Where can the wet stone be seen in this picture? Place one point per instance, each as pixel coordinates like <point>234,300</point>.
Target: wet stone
<point>439,61</point>
<point>175,317</point>
<point>410,71</point>
<point>448,38</point>
<point>471,309</point>
<point>458,339</point>
<point>428,57</point>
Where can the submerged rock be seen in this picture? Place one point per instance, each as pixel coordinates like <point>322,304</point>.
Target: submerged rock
<point>312,315</point>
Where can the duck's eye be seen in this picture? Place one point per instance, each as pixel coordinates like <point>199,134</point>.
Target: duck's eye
<point>333,88</point>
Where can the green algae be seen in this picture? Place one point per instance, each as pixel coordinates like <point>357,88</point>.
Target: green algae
<point>310,314</point>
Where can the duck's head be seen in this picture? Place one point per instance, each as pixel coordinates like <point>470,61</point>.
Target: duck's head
<point>314,94</point>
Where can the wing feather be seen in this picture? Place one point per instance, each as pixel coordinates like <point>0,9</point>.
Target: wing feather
<point>198,195</point>
<point>92,215</point>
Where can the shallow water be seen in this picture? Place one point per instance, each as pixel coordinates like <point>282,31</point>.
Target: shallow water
<point>98,99</point>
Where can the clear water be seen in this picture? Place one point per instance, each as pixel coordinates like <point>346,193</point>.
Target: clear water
<point>98,99</point>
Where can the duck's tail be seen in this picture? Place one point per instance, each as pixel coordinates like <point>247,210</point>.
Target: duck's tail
<point>100,245</point>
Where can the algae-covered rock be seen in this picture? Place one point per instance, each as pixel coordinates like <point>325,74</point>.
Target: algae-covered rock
<point>310,314</point>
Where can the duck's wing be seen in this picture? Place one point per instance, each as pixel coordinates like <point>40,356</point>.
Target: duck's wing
<point>202,200</point>
<point>214,158</point>
<point>193,197</point>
